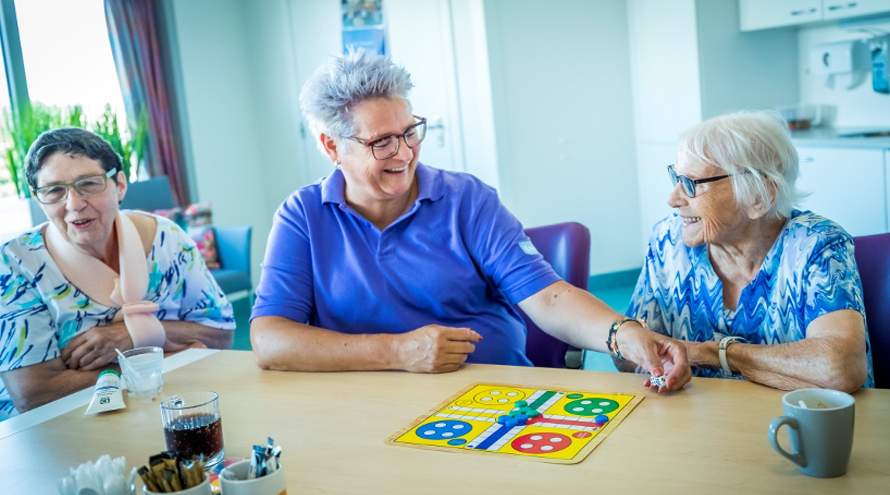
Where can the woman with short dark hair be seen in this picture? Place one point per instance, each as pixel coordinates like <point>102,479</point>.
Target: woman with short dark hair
<point>94,278</point>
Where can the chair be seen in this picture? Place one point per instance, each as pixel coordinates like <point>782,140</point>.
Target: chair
<point>149,195</point>
<point>566,246</point>
<point>873,258</point>
<point>233,245</point>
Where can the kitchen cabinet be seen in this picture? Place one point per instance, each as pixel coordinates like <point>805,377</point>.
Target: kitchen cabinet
<point>763,14</point>
<point>842,9</point>
<point>847,185</point>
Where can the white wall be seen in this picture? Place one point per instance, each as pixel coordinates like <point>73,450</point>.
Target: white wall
<point>561,91</point>
<point>742,71</point>
<point>220,110</point>
<point>689,62</point>
<point>857,107</point>
<point>664,68</point>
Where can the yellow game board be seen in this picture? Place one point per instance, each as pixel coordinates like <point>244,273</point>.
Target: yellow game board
<point>550,425</point>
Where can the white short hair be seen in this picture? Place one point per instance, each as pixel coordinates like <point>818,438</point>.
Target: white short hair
<point>755,148</point>
<point>327,97</point>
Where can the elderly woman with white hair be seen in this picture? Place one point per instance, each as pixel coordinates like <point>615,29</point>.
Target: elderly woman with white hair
<point>388,263</point>
<point>753,287</point>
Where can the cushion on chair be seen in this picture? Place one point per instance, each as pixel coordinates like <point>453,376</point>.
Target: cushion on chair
<point>231,280</point>
<point>199,218</point>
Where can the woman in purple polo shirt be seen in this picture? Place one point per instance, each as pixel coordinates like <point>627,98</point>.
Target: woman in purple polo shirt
<point>388,263</point>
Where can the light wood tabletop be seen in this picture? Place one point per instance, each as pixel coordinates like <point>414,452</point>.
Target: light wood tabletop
<point>709,438</point>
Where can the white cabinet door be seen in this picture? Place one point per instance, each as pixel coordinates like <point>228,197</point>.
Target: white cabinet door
<point>762,14</point>
<point>841,9</point>
<point>847,186</point>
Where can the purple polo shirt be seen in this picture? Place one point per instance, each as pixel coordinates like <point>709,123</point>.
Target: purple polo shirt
<point>457,258</point>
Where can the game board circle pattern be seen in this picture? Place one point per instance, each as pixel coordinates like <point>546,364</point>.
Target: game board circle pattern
<point>456,442</point>
<point>541,443</point>
<point>441,430</point>
<point>498,396</point>
<point>582,434</point>
<point>590,406</point>
<point>575,396</point>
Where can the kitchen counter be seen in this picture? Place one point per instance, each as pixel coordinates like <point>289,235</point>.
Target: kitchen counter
<point>827,137</point>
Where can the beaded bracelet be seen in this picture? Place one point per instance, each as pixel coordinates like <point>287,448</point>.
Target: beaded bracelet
<point>612,339</point>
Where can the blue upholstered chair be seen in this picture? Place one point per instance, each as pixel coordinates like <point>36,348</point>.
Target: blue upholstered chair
<point>233,245</point>
<point>566,246</point>
<point>873,258</point>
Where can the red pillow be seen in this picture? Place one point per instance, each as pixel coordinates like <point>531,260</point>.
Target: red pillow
<point>199,218</point>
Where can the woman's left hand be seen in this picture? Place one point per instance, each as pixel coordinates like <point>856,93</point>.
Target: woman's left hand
<point>657,354</point>
<point>94,348</point>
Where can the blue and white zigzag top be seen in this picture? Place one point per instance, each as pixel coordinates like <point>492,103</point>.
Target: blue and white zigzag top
<point>809,271</point>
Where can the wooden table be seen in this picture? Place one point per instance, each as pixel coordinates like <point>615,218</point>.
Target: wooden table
<point>710,438</point>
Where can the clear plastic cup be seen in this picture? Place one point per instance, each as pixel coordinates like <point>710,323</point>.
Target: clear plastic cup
<point>142,373</point>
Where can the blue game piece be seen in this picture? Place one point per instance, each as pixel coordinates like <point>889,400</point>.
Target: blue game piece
<point>504,419</point>
<point>602,418</point>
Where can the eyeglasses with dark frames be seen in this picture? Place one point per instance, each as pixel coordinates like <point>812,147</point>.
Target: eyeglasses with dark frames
<point>689,183</point>
<point>386,147</point>
<point>87,186</point>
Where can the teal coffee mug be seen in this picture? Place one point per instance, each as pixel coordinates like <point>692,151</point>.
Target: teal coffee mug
<point>820,429</point>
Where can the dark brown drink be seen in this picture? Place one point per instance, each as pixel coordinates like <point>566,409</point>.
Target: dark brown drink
<point>192,435</point>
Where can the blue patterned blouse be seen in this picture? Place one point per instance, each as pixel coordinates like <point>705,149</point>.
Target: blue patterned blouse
<point>809,271</point>
<point>40,311</point>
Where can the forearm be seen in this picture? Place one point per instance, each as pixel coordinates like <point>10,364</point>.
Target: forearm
<point>39,384</point>
<point>282,344</point>
<point>572,315</point>
<point>812,362</point>
<point>186,332</point>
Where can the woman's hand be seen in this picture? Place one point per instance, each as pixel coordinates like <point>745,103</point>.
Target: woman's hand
<point>655,353</point>
<point>435,348</point>
<point>94,348</point>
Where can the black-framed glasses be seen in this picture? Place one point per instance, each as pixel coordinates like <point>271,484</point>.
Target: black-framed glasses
<point>688,183</point>
<point>386,147</point>
<point>90,185</point>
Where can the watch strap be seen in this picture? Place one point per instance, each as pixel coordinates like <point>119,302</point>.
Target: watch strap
<point>725,342</point>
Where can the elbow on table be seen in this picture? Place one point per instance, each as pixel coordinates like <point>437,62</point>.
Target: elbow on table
<point>25,402</point>
<point>261,346</point>
<point>847,372</point>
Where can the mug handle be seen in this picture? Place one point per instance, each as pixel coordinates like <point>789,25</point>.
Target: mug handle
<point>794,431</point>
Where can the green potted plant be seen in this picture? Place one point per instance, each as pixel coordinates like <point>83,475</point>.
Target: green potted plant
<point>16,137</point>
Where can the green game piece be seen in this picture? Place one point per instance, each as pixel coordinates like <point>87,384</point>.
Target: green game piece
<point>521,404</point>
<point>590,406</point>
<point>533,413</point>
<point>575,396</point>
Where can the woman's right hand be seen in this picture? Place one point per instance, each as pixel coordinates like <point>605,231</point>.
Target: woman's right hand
<point>435,348</point>
<point>657,354</point>
<point>95,347</point>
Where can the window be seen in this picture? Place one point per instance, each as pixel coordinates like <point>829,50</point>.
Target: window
<point>67,55</point>
<point>67,61</point>
<point>7,190</point>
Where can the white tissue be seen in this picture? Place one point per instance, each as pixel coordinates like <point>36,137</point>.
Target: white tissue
<point>105,476</point>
